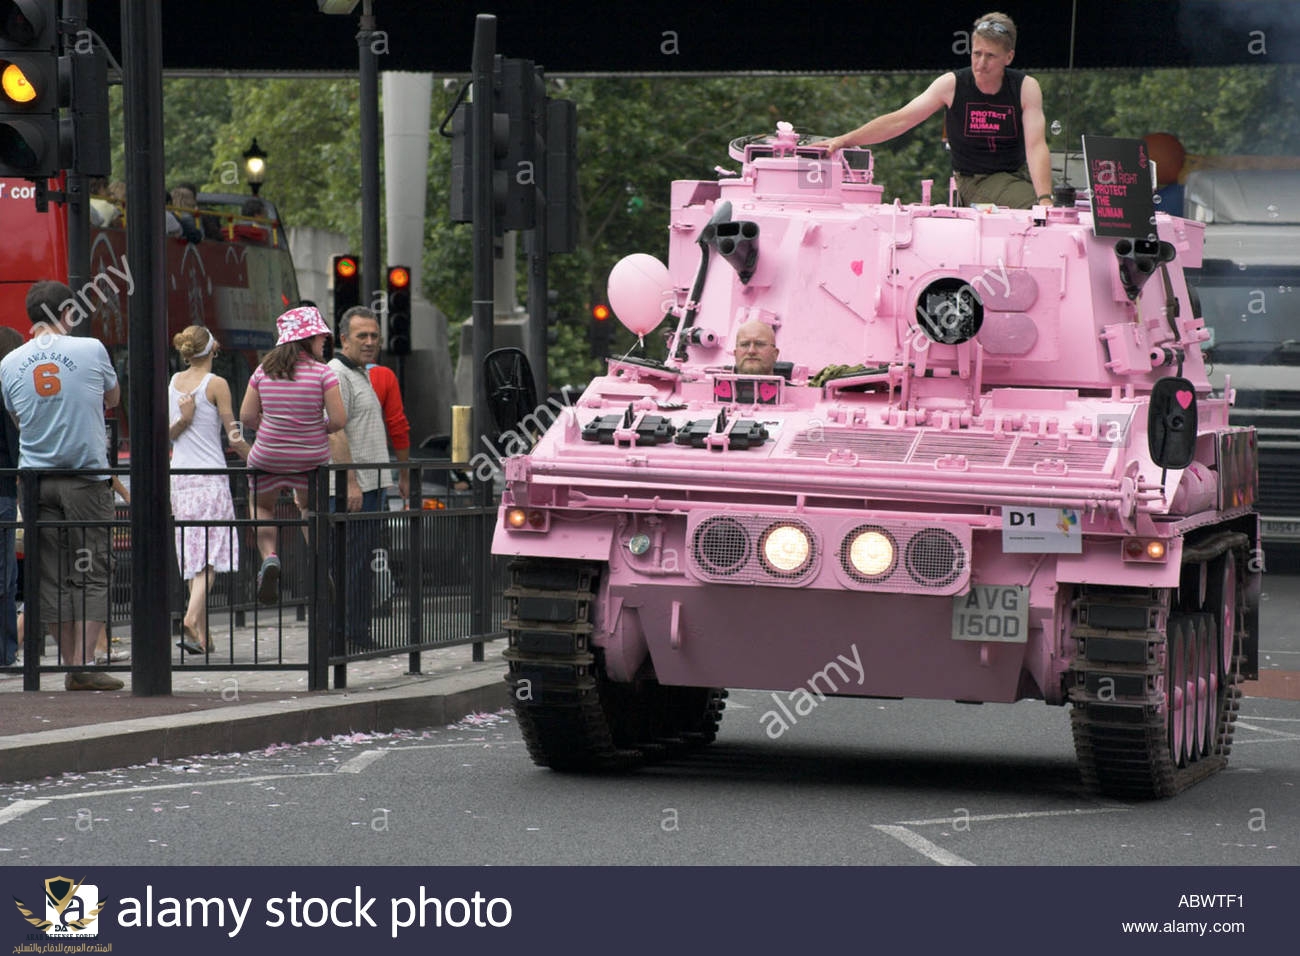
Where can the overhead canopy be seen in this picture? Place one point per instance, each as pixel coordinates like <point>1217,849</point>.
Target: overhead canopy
<point>727,36</point>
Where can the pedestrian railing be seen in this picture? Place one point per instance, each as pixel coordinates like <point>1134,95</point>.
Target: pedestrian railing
<point>413,577</point>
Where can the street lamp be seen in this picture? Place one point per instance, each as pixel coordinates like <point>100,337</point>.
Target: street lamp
<point>255,166</point>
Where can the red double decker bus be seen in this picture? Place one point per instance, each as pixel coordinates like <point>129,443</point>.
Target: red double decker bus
<point>235,280</point>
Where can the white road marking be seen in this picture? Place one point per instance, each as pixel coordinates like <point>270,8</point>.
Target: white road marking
<point>16,809</point>
<point>922,846</point>
<point>1281,734</point>
<point>361,761</point>
<point>191,784</point>
<point>1027,815</point>
<point>478,743</point>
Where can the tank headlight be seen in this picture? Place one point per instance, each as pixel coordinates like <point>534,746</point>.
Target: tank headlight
<point>516,517</point>
<point>639,544</point>
<point>786,548</point>
<point>871,553</point>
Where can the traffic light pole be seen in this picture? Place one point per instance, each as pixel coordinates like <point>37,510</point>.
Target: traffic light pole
<point>481,310</point>
<point>76,195</point>
<point>147,347</point>
<point>538,257</point>
<point>76,192</point>
<point>369,92</point>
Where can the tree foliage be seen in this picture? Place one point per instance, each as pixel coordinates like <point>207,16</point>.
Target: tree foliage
<point>637,135</point>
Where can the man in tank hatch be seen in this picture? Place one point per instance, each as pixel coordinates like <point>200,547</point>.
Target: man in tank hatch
<point>993,117</point>
<point>756,350</point>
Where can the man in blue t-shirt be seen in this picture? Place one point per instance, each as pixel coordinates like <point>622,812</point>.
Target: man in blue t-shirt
<point>993,117</point>
<point>56,387</point>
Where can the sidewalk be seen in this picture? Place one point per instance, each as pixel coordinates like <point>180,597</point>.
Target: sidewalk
<point>54,731</point>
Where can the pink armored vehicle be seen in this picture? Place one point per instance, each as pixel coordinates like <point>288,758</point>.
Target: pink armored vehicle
<point>987,467</point>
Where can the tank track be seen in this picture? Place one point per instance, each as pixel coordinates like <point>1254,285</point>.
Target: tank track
<point>571,716</point>
<point>1118,692</point>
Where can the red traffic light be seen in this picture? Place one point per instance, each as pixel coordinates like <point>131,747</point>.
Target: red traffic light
<point>399,277</point>
<point>22,20</point>
<point>600,312</point>
<point>345,266</point>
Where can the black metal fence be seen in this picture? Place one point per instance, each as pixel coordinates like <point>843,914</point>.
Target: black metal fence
<point>415,576</point>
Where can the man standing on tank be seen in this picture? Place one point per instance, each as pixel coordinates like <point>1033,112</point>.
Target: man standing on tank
<point>993,117</point>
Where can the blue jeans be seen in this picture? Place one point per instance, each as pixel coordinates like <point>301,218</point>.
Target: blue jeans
<point>359,575</point>
<point>8,584</point>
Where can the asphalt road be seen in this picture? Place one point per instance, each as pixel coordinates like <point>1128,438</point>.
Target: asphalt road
<point>853,782</point>
<point>905,782</point>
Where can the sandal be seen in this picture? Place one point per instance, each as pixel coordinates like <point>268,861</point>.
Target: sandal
<point>191,640</point>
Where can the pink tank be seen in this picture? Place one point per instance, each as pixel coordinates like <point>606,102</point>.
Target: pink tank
<point>987,466</point>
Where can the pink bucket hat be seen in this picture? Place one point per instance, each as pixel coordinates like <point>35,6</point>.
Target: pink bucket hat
<point>300,323</point>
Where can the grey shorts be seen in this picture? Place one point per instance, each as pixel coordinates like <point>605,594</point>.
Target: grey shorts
<point>75,561</point>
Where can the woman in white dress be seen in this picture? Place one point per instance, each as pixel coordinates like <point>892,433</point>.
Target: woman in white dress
<point>200,408</point>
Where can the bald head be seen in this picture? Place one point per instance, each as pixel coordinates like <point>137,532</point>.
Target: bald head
<point>756,350</point>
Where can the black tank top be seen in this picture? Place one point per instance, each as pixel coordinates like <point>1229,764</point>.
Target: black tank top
<point>986,132</point>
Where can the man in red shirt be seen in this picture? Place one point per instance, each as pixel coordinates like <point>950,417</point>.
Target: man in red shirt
<point>385,385</point>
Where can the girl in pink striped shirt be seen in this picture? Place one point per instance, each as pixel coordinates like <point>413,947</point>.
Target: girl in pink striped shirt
<point>293,403</point>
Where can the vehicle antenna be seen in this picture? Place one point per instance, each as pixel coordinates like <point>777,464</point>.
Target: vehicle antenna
<point>1069,93</point>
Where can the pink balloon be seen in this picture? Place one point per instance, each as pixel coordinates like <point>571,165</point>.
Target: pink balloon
<point>640,292</point>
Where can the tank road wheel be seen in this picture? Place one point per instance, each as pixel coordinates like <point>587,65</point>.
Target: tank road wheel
<point>1176,690</point>
<point>1152,711</point>
<point>1206,704</point>
<point>572,717</point>
<point>1189,706</point>
<point>1224,602</point>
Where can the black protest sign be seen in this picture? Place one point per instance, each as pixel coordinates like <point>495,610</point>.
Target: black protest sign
<point>1120,177</point>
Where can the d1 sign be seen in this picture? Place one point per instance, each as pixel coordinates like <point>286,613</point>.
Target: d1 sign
<point>1041,531</point>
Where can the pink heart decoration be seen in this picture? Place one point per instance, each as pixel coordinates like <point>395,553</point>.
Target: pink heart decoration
<point>856,266</point>
<point>767,391</point>
<point>1184,398</point>
<point>722,390</point>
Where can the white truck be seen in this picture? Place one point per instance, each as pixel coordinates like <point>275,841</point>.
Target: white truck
<point>1249,290</point>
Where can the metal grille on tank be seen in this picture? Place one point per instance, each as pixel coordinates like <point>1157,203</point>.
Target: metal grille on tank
<point>721,545</point>
<point>934,557</point>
